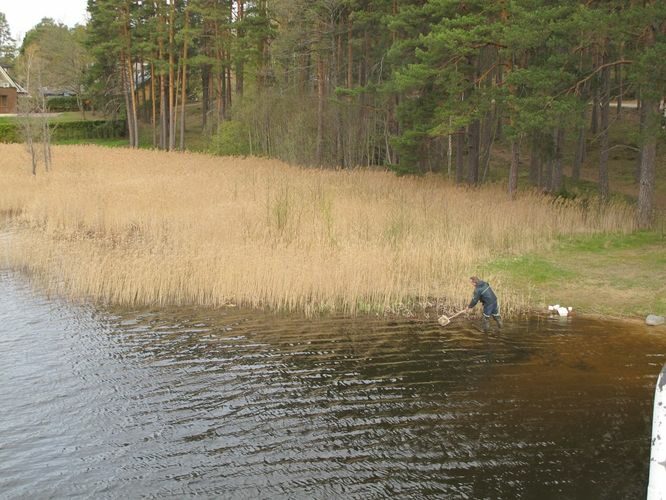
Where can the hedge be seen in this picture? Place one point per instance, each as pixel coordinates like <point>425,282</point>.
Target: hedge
<point>88,129</point>
<point>9,132</point>
<point>61,104</point>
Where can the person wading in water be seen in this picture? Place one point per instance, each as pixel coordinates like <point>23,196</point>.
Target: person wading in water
<point>485,294</point>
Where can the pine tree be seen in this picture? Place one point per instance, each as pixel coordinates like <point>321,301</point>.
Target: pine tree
<point>7,45</point>
<point>649,74</point>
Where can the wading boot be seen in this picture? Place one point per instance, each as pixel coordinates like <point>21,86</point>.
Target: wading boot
<point>484,324</point>
<point>498,320</point>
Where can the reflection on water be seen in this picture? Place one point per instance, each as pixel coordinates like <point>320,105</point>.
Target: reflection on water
<point>178,403</point>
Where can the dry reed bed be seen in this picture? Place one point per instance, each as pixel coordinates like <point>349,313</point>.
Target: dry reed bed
<point>147,227</point>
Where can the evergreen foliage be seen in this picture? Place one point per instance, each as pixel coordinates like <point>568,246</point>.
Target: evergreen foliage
<point>414,85</point>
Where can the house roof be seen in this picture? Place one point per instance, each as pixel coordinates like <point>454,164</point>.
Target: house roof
<point>7,81</point>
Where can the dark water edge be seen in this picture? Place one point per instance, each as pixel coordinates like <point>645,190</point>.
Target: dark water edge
<point>177,403</point>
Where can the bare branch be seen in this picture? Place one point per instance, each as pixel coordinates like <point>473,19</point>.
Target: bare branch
<point>575,87</point>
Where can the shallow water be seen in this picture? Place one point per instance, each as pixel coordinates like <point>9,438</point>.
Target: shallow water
<point>177,403</point>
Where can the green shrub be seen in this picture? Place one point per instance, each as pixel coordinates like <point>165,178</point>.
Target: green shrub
<point>89,129</point>
<point>231,139</point>
<point>65,103</point>
<point>9,132</point>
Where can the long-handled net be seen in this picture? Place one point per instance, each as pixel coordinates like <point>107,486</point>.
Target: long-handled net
<point>444,320</point>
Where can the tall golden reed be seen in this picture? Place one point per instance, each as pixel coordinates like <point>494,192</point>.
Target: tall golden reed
<point>147,227</point>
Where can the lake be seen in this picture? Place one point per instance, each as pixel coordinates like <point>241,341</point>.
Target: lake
<point>229,403</point>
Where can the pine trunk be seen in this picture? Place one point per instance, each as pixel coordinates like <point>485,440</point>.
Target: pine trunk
<point>449,152</point>
<point>604,188</point>
<point>163,113</point>
<point>321,89</point>
<point>227,100</point>
<point>183,94</point>
<point>489,127</point>
<point>648,163</point>
<point>240,7</point>
<point>641,128</point>
<point>153,103</point>
<point>205,95</point>
<point>144,93</point>
<point>128,104</point>
<point>172,77</point>
<point>579,158</point>
<point>620,82</point>
<point>594,123</point>
<point>131,111</point>
<point>535,163</point>
<point>474,134</point>
<point>129,83</point>
<point>497,115</point>
<point>350,54</point>
<point>546,177</point>
<point>513,173</point>
<point>163,98</point>
<point>556,179</point>
<point>460,155</point>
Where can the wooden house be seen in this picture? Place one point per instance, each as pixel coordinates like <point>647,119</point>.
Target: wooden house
<point>9,93</point>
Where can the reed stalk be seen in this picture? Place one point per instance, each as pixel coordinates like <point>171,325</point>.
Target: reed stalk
<point>154,228</point>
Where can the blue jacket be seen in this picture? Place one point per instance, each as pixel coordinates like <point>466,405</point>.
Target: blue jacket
<point>484,293</point>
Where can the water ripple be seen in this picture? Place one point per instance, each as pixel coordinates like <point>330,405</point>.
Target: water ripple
<point>185,402</point>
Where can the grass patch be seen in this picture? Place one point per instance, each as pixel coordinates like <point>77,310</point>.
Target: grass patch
<point>601,243</point>
<point>64,117</point>
<point>76,116</point>
<point>530,268</point>
<point>610,274</point>
<point>113,143</point>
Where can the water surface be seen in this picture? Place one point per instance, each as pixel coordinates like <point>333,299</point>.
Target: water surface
<point>175,403</point>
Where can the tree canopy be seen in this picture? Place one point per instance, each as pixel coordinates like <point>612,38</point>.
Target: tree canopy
<point>413,85</point>
<point>7,44</point>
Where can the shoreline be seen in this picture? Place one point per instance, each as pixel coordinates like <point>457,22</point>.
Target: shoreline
<point>428,316</point>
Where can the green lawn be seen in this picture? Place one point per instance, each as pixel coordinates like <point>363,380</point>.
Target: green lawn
<point>612,275</point>
<point>69,116</point>
<point>114,143</point>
